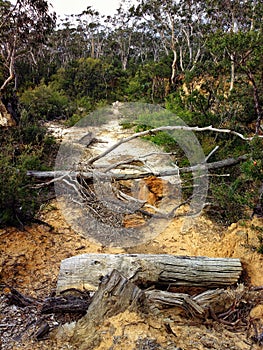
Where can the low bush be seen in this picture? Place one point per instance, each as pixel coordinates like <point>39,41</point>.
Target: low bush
<point>23,148</point>
<point>45,103</point>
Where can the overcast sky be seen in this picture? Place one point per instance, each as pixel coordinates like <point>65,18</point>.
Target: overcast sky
<point>68,7</point>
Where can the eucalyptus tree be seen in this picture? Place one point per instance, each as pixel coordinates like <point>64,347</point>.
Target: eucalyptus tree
<point>89,26</point>
<point>121,36</point>
<point>179,25</point>
<point>147,44</point>
<point>66,43</point>
<point>25,26</point>
<point>227,19</point>
<point>235,43</point>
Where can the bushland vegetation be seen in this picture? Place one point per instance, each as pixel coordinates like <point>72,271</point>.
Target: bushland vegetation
<point>204,64</point>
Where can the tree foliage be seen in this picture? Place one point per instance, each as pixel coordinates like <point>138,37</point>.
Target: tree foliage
<point>24,26</point>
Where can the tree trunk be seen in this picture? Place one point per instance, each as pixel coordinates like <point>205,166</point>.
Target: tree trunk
<point>174,67</point>
<point>232,78</point>
<point>199,305</point>
<point>115,295</point>
<point>84,272</point>
<point>5,117</point>
<point>257,103</point>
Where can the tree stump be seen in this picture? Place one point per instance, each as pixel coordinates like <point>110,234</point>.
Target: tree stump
<point>115,295</point>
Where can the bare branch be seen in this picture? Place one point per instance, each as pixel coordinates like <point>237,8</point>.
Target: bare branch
<point>60,178</point>
<point>167,128</point>
<point>11,66</point>
<point>211,153</point>
<point>89,175</point>
<point>124,162</point>
<point>3,20</point>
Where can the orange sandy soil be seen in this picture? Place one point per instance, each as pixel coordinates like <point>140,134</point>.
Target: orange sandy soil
<point>30,262</point>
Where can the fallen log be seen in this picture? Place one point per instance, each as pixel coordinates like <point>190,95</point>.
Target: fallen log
<point>84,272</point>
<point>117,176</point>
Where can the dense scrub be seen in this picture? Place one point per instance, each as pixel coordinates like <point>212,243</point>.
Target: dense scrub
<point>27,146</point>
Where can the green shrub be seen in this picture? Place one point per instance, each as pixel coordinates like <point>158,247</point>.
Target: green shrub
<point>164,140</point>
<point>89,78</point>
<point>229,203</point>
<point>20,152</point>
<point>30,133</point>
<point>74,119</point>
<point>45,103</point>
<point>235,198</point>
<point>17,198</point>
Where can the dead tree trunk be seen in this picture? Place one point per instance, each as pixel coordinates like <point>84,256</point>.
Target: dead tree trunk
<point>115,295</point>
<point>84,272</point>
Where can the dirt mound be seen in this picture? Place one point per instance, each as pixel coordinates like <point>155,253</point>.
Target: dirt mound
<point>30,261</point>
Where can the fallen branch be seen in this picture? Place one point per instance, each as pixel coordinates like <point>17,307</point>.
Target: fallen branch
<point>166,128</point>
<point>60,174</point>
<point>16,298</point>
<point>66,304</point>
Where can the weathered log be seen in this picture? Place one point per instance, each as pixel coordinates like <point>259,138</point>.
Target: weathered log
<point>89,175</point>
<point>87,139</point>
<point>162,299</point>
<point>84,272</point>
<point>115,294</point>
<point>42,331</point>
